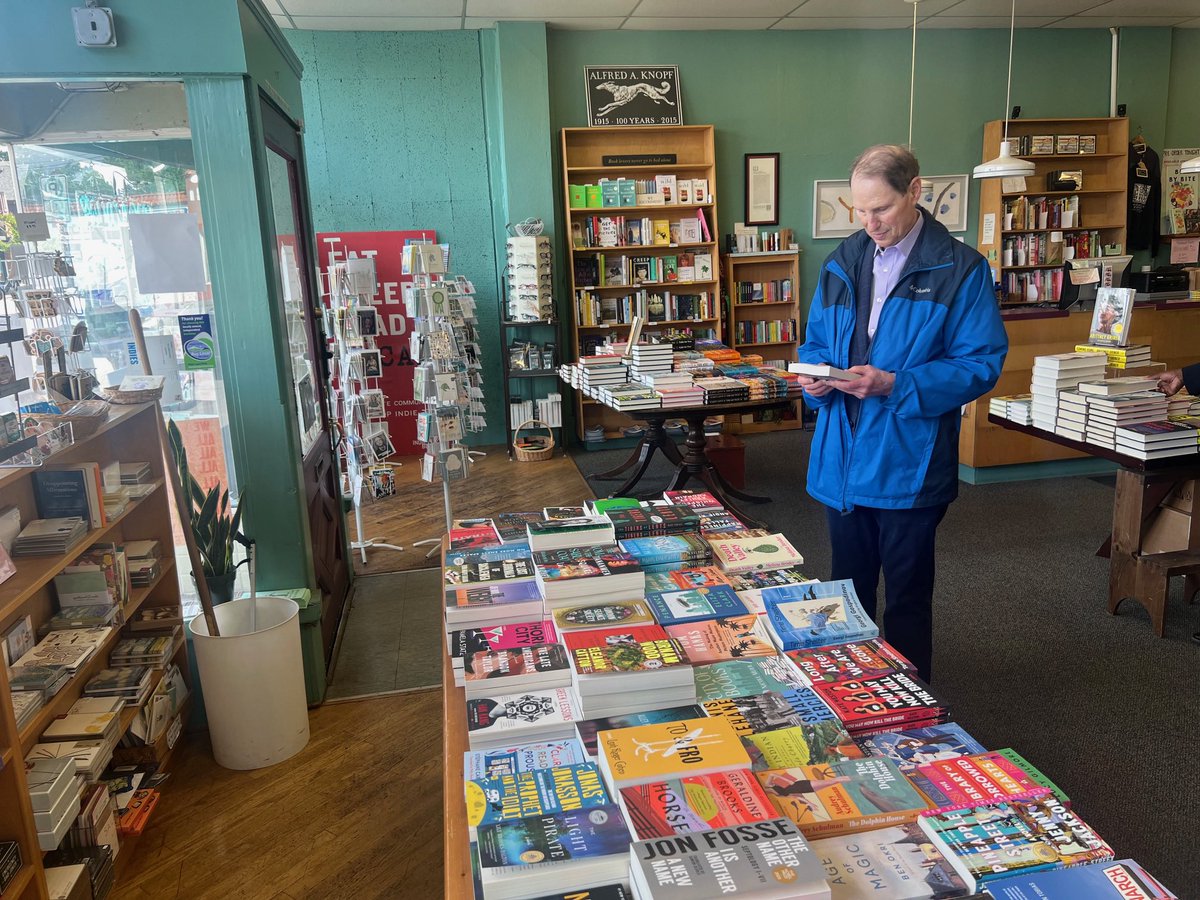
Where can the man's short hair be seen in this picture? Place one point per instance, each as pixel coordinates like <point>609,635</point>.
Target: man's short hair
<point>893,163</point>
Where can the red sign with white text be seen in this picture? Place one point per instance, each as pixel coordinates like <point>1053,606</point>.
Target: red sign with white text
<point>394,326</point>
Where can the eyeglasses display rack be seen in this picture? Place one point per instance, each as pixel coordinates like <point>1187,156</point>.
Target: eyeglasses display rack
<point>448,376</point>
<point>358,398</point>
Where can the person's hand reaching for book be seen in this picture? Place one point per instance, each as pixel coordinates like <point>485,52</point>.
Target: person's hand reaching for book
<point>872,382</point>
<point>1170,382</point>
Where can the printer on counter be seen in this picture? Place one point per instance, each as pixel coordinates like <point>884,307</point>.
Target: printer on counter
<point>1164,283</point>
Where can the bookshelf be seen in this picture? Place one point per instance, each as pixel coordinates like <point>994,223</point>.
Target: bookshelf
<point>670,299</point>
<point>762,293</point>
<point>131,433</point>
<point>1030,271</point>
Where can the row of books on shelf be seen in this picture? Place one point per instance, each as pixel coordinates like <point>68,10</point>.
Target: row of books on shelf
<point>622,231</point>
<point>1041,212</point>
<point>1050,248</point>
<point>778,291</point>
<point>652,306</point>
<point>764,331</point>
<point>1039,286</point>
<point>748,239</point>
<point>689,715</point>
<point>615,270</point>
<point>658,190</point>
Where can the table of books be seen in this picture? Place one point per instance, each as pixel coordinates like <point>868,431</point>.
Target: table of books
<point>647,701</point>
<point>1142,485</point>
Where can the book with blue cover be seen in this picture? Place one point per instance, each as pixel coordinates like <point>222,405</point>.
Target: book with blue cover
<point>1117,880</point>
<point>816,614</point>
<point>522,758</point>
<point>771,710</point>
<point>696,604</point>
<point>912,747</point>
<point>474,556</point>
<point>540,792</point>
<point>667,548</point>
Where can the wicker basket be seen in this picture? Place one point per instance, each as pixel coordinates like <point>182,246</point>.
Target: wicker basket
<point>129,398</point>
<point>535,449</point>
<point>82,425</point>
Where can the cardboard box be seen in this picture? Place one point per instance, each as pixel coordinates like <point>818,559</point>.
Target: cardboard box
<point>1170,530</point>
<point>1181,497</point>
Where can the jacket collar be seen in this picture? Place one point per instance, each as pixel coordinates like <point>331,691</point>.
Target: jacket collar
<point>934,247</point>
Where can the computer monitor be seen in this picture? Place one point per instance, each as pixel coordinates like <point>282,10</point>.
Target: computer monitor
<point>1113,273</point>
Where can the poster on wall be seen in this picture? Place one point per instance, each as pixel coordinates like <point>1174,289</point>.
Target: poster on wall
<point>1180,205</point>
<point>633,95</point>
<point>393,326</point>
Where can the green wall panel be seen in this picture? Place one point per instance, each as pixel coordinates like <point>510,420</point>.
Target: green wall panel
<point>1183,102</point>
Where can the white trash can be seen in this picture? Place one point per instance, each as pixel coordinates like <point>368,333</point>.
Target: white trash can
<point>252,677</point>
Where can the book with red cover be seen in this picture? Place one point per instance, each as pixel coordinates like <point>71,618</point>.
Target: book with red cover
<point>470,533</point>
<point>975,781</point>
<point>695,803</point>
<point>870,703</point>
<point>852,660</point>
<point>694,499</point>
<point>468,641</point>
<point>699,576</point>
<point>613,655</point>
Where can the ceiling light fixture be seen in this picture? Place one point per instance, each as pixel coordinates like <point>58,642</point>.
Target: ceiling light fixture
<point>1006,165</point>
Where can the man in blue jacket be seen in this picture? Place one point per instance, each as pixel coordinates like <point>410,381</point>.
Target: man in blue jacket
<point>912,312</point>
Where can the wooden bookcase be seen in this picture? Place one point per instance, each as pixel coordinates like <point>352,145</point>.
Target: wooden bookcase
<point>583,157</point>
<point>1102,199</point>
<point>766,267</point>
<point>130,434</point>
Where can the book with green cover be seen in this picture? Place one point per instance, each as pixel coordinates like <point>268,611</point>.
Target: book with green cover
<point>743,677</point>
<point>804,745</point>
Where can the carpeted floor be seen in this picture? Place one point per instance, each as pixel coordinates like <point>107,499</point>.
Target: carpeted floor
<point>393,639</point>
<point>1026,653</point>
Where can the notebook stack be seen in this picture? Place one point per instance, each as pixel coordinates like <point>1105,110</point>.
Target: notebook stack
<point>71,648</point>
<point>25,706</point>
<point>88,719</point>
<point>43,680</point>
<point>1157,440</point>
<point>1059,372</point>
<point>54,794</point>
<point>719,389</point>
<point>91,757</point>
<point>628,669</point>
<point>598,574</point>
<point>152,650</point>
<point>136,473</point>
<point>50,537</point>
<point>144,562</point>
<point>1106,414</point>
<point>82,617</point>
<point>130,683</point>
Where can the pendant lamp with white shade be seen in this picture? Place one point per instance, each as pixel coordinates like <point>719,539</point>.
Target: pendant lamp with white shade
<point>1006,165</point>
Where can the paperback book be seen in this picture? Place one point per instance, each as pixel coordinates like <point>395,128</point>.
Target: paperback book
<point>889,700</point>
<point>737,555</point>
<point>534,715</point>
<point>485,603</point>
<point>852,660</point>
<point>518,668</point>
<point>694,803</point>
<point>648,753</point>
<point>466,642</point>
<point>608,658</point>
<point>740,677</point>
<point>695,604</point>
<point>698,576</point>
<point>471,533</point>
<point>513,526</point>
<point>668,549</point>
<point>603,615</point>
<point>588,729</point>
<point>912,747</point>
<point>539,792</point>
<point>1122,879</point>
<point>975,780</point>
<point>649,521</point>
<point>503,571</point>
<point>895,862</point>
<point>524,758</point>
<point>717,640</point>
<point>770,710</point>
<point>810,744</point>
<point>816,614</point>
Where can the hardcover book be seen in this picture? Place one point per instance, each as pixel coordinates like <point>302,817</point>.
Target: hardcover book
<point>912,747</point>
<point>540,792</point>
<point>695,604</point>
<point>738,555</point>
<point>770,710</point>
<point>816,614</point>
<point>648,753</point>
<point>694,803</point>
<point>843,797</point>
<point>770,860</point>
<point>588,729</point>
<point>810,744</point>
<point>895,862</point>
<point>987,843</point>
<point>524,758</point>
<point>1111,316</point>
<point>886,700</point>
<point>855,659</point>
<point>738,678</point>
<point>603,615</point>
<point>715,640</point>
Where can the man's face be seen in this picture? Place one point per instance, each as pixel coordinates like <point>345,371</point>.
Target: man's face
<point>886,214</point>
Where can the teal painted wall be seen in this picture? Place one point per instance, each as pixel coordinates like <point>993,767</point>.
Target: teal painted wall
<point>153,36</point>
<point>395,139</point>
<point>1183,104</point>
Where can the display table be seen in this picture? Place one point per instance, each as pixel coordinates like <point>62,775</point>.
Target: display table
<point>694,461</point>
<point>459,884</point>
<point>1141,487</point>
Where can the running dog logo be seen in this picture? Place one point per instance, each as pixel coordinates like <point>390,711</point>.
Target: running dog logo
<point>623,94</point>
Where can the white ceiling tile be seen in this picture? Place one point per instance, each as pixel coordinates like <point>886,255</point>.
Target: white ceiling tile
<point>986,21</point>
<point>716,8</point>
<point>1184,9</point>
<point>691,23</point>
<point>816,24</point>
<point>869,9</point>
<point>582,23</point>
<point>1117,22</point>
<point>378,23</point>
<point>547,9</point>
<point>382,8</point>
<point>1024,7</point>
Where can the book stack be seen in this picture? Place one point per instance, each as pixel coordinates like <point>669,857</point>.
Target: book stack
<point>88,719</point>
<point>629,396</point>
<point>152,650</point>
<point>97,821</point>
<point>556,534</point>
<point>71,648</point>
<point>54,794</point>
<point>82,617</point>
<point>536,792</point>
<point>505,720</point>
<point>1105,414</point>
<point>570,575</point>
<point>1183,404</point>
<point>1059,372</point>
<point>50,537</point>
<point>663,379</point>
<point>1157,440</point>
<point>136,473</point>
<point>600,371</point>
<point>643,521</point>
<point>130,683</point>
<point>987,843</point>
<point>770,860</point>
<point>816,614</point>
<point>25,706</point>
<point>719,389</point>
<point>622,670</point>
<point>540,667</point>
<point>1128,357</point>
<point>650,359</point>
<point>463,644</point>
<point>143,559</point>
<point>1015,407</point>
<point>489,572</point>
<point>668,550</point>
<point>882,703</point>
<point>45,680</point>
<point>496,604</point>
<point>96,864</point>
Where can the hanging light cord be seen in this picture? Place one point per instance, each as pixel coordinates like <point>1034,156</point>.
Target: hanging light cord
<point>1012,27</point>
<point>912,78</point>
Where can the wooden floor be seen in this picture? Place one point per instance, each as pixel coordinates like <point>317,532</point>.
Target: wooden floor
<point>417,510</point>
<point>356,814</point>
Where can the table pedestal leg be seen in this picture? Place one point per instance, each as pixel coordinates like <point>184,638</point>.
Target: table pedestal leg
<point>695,464</point>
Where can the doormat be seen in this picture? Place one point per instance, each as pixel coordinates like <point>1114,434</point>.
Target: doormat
<point>393,639</point>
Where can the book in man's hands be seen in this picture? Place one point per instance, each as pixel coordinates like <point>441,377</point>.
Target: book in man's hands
<point>822,372</point>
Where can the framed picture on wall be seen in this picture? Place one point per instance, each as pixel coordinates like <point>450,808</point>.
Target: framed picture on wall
<point>762,188</point>
<point>632,95</point>
<point>945,196</point>
<point>833,210</point>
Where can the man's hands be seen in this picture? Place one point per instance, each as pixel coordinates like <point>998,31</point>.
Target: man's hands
<point>1170,382</point>
<point>872,382</point>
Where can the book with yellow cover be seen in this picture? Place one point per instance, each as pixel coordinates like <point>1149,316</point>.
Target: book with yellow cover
<point>649,753</point>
